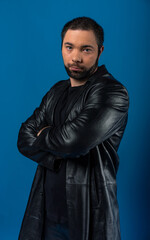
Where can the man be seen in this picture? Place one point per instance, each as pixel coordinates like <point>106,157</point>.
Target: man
<point>74,136</point>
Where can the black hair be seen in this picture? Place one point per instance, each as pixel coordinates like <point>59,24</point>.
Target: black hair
<point>85,23</point>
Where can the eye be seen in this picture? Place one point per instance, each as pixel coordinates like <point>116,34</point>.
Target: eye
<point>68,47</point>
<point>87,50</point>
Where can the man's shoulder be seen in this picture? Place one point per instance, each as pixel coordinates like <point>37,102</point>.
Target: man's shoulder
<point>110,80</point>
<point>105,84</point>
<point>60,83</point>
<point>57,85</point>
<point>105,79</point>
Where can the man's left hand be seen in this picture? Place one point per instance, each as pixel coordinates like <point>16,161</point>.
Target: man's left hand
<point>41,130</point>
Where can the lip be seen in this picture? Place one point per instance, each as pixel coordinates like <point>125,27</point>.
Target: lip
<point>75,69</point>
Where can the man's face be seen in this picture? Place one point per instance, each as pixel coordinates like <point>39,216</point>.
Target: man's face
<point>80,53</point>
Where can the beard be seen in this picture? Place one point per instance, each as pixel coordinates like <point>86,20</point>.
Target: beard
<point>83,73</point>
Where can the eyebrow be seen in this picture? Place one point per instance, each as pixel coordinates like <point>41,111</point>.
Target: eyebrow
<point>84,46</point>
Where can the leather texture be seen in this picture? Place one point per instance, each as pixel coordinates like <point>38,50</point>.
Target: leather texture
<point>89,138</point>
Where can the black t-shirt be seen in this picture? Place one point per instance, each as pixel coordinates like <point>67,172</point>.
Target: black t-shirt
<point>55,182</point>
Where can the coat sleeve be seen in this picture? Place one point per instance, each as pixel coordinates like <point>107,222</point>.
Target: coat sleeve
<point>28,135</point>
<point>104,113</point>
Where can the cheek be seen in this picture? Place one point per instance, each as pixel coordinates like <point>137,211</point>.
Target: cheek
<point>66,56</point>
<point>90,60</point>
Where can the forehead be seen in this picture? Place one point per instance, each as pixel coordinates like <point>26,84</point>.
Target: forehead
<point>80,37</point>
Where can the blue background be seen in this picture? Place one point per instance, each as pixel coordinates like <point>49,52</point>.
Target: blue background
<point>31,62</point>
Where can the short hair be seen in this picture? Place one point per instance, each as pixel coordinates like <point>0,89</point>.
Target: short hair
<point>85,23</point>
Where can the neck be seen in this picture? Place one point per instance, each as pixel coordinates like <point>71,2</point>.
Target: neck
<point>75,83</point>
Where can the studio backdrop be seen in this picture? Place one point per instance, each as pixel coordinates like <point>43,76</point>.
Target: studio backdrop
<point>31,62</point>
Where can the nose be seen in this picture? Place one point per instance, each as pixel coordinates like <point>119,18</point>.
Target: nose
<point>76,57</point>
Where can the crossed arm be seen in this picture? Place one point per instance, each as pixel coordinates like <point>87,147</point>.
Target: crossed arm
<point>30,130</point>
<point>103,114</point>
<point>38,134</point>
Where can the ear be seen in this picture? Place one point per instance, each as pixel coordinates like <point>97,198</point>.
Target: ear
<point>101,50</point>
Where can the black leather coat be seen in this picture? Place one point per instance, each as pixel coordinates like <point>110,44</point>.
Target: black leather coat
<point>90,136</point>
